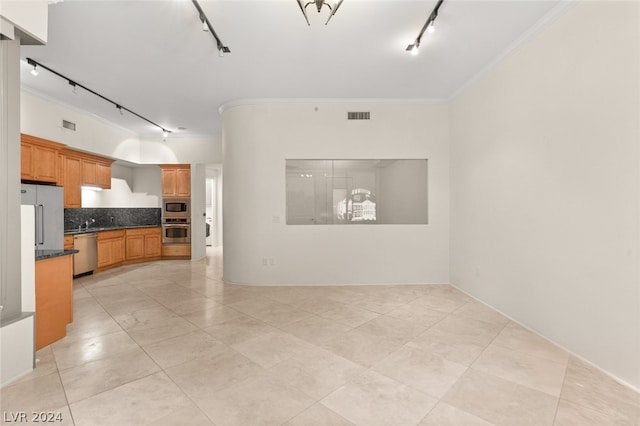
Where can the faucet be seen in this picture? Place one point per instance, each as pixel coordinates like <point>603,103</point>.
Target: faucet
<point>88,222</point>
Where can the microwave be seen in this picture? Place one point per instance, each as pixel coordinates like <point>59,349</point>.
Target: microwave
<point>176,207</point>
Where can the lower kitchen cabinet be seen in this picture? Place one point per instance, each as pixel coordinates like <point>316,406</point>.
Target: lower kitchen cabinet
<point>68,242</point>
<point>54,299</point>
<point>132,245</point>
<point>143,244</point>
<point>176,251</point>
<point>111,248</point>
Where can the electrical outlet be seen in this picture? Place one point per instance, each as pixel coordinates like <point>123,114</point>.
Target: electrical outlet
<point>265,261</point>
<point>272,261</point>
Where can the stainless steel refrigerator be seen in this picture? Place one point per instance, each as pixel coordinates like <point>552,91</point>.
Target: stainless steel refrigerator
<point>48,202</point>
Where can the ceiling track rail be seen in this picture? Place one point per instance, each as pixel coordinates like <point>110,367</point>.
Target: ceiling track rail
<point>75,84</point>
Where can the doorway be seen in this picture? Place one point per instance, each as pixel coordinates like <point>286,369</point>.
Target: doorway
<point>213,206</point>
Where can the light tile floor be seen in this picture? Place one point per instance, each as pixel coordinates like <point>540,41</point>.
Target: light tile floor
<point>169,343</point>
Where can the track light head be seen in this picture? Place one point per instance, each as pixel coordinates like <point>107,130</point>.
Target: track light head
<point>431,28</point>
<point>34,71</point>
<point>222,50</point>
<point>413,48</point>
<point>206,26</point>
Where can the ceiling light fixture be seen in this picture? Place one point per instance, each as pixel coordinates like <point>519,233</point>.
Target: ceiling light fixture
<point>34,71</point>
<point>428,26</point>
<point>75,85</point>
<point>206,25</point>
<point>318,4</point>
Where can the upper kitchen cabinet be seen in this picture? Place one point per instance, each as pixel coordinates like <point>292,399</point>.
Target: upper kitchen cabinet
<point>96,171</point>
<point>78,169</point>
<point>71,178</point>
<point>39,159</point>
<point>176,180</point>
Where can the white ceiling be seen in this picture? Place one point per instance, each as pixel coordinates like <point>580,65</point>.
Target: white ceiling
<point>153,57</point>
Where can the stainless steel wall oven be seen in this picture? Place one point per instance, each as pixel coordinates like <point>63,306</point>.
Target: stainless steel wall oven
<point>176,230</point>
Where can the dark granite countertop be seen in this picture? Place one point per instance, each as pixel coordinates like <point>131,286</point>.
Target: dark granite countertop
<point>107,228</point>
<point>48,254</point>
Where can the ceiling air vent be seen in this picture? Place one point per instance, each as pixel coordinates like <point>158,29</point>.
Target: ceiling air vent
<point>358,115</point>
<point>69,125</point>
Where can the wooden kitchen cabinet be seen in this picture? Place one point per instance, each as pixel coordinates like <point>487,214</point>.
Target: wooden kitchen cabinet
<point>89,172</point>
<point>79,168</point>
<point>111,248</point>
<point>54,299</point>
<point>96,171</point>
<point>72,179</point>
<point>143,243</point>
<point>176,180</point>
<point>103,175</point>
<point>176,251</point>
<point>68,242</point>
<point>39,159</point>
<point>134,247</point>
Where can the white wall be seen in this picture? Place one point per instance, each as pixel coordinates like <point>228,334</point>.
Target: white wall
<point>214,172</point>
<point>545,186</point>
<point>256,141</point>
<point>198,218</point>
<point>17,350</point>
<point>10,291</point>
<point>180,150</point>
<point>43,118</point>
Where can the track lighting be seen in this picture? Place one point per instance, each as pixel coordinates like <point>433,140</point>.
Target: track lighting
<point>75,85</point>
<point>428,26</point>
<point>206,26</point>
<point>34,71</point>
<point>165,134</point>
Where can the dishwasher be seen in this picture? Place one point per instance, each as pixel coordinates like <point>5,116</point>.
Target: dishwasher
<point>86,259</point>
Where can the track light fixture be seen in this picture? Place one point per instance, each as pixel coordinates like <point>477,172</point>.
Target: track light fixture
<point>428,26</point>
<point>318,4</point>
<point>34,71</point>
<point>206,26</point>
<point>75,86</point>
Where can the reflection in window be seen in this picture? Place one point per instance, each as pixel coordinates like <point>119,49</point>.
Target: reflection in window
<point>360,207</point>
<point>356,191</point>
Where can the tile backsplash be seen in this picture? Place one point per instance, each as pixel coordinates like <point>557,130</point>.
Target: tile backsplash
<point>105,217</point>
